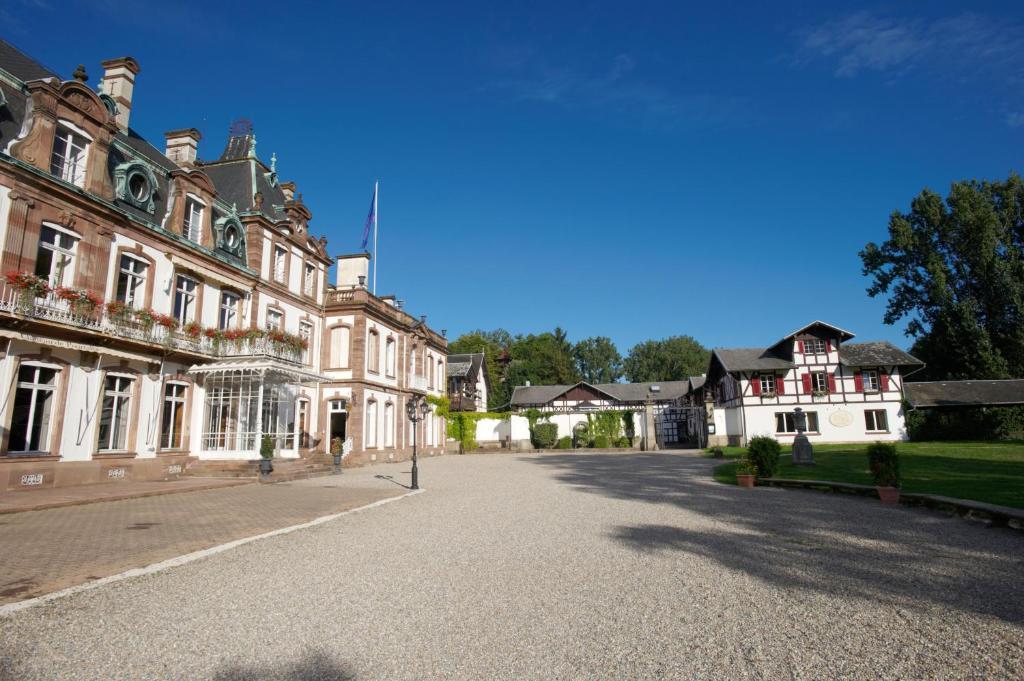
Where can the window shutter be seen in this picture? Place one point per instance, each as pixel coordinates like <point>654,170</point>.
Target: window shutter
<point>755,384</point>
<point>780,384</point>
<point>828,346</point>
<point>832,383</point>
<point>883,381</point>
<point>800,347</point>
<point>807,384</point>
<point>858,382</point>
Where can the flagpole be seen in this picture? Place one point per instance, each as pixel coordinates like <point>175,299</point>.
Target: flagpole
<point>376,186</point>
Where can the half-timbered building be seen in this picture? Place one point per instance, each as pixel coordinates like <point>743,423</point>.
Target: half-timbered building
<point>851,392</point>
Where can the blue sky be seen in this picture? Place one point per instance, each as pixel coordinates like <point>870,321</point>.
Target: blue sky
<point>633,172</point>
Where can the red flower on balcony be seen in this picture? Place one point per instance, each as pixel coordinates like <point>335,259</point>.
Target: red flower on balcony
<point>29,283</point>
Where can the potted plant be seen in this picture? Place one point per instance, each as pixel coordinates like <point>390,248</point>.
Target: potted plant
<point>746,473</point>
<point>884,463</point>
<point>28,286</point>
<point>336,448</point>
<point>266,456</point>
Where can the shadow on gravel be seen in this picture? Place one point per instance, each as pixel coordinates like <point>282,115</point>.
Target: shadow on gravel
<point>832,544</point>
<point>314,666</point>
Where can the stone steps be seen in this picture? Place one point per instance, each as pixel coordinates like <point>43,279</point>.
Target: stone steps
<point>284,469</point>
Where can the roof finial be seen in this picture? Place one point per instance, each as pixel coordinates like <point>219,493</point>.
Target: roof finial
<point>273,162</point>
<point>80,74</point>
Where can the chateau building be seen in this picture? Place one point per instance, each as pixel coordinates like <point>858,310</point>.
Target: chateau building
<point>157,310</point>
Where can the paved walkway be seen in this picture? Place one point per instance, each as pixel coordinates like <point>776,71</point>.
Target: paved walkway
<point>56,497</point>
<point>47,550</point>
<point>572,566</point>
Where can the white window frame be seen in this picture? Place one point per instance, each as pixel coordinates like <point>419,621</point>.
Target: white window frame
<point>823,375</point>
<point>815,346</point>
<point>869,379</point>
<point>371,424</point>
<point>789,422</point>
<point>192,224</point>
<point>373,351</point>
<point>70,164</point>
<point>340,339</point>
<point>275,314</point>
<point>306,333</point>
<point>121,410</point>
<point>767,384</point>
<point>309,279</point>
<point>36,388</point>
<point>280,264</point>
<point>62,260</point>
<point>176,401</point>
<point>389,424</point>
<point>871,421</point>
<point>227,313</point>
<point>390,353</point>
<point>185,299</point>
<point>134,296</point>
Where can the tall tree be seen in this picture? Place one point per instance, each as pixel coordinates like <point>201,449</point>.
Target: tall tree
<point>542,359</point>
<point>598,360</point>
<point>954,269</point>
<point>672,359</point>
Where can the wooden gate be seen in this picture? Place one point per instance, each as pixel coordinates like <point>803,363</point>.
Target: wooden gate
<point>682,426</point>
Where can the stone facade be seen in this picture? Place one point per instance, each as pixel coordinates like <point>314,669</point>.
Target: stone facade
<point>157,309</point>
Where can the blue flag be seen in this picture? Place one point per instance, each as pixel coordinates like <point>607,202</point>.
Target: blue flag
<point>370,218</point>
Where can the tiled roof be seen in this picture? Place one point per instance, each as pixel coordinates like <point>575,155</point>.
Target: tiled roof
<point>20,65</point>
<point>964,393</point>
<point>879,353</point>
<point>749,359</point>
<point>623,392</point>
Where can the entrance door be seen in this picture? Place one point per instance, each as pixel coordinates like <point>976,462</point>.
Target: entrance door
<point>338,420</point>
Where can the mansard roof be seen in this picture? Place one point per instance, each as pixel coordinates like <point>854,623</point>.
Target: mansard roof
<point>877,353</point>
<point>20,65</point>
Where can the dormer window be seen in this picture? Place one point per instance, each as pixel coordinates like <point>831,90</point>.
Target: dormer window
<point>136,185</point>
<point>280,263</point>
<point>308,280</point>
<point>192,228</point>
<point>815,346</point>
<point>70,152</point>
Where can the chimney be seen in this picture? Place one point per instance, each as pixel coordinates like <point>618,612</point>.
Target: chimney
<point>119,83</point>
<point>288,188</point>
<point>182,146</point>
<point>351,268</point>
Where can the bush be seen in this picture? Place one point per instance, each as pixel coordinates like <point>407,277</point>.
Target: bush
<point>544,435</point>
<point>267,447</point>
<point>623,442</point>
<point>601,442</point>
<point>581,435</point>
<point>565,442</point>
<point>763,453</point>
<point>884,463</point>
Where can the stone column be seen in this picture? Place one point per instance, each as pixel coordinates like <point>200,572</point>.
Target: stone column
<point>17,228</point>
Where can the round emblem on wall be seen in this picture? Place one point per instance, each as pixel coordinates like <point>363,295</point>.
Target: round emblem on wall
<point>841,419</point>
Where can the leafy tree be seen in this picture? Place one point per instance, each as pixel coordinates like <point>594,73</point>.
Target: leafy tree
<point>494,345</point>
<point>542,359</point>
<point>954,269</point>
<point>598,360</point>
<point>672,359</point>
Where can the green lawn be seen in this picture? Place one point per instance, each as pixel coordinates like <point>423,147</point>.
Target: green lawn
<point>983,471</point>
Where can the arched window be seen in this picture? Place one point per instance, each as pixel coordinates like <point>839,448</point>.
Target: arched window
<point>389,425</point>
<point>371,424</point>
<point>389,357</point>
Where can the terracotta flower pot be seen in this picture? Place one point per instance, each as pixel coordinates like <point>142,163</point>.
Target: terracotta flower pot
<point>745,480</point>
<point>889,495</point>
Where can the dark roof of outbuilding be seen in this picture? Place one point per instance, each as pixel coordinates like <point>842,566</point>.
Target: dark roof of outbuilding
<point>964,393</point>
<point>697,382</point>
<point>879,353</point>
<point>623,392</point>
<point>458,369</point>
<point>749,359</point>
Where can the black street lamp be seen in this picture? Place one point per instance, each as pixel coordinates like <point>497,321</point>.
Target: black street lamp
<point>416,409</point>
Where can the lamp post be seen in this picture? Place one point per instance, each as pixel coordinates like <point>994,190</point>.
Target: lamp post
<point>416,409</point>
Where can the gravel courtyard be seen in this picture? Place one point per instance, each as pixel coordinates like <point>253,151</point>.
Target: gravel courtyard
<point>562,566</point>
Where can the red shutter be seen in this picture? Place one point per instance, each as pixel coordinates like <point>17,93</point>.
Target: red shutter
<point>858,382</point>
<point>807,384</point>
<point>883,381</point>
<point>800,347</point>
<point>832,383</point>
<point>755,384</point>
<point>780,384</point>
<point>828,346</point>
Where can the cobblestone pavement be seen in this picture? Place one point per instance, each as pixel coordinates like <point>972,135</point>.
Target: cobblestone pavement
<point>43,551</point>
<point>563,567</point>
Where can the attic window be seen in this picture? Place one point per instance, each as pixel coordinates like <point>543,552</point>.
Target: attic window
<point>70,151</point>
<point>136,185</point>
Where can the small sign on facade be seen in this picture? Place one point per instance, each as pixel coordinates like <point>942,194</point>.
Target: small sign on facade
<point>116,473</point>
<point>32,479</point>
<point>174,469</point>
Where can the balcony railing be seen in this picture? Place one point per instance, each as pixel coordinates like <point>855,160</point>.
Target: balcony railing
<point>51,308</point>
